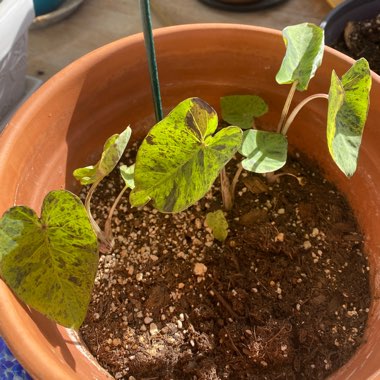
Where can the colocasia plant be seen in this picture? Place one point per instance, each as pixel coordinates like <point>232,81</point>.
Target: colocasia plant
<point>50,261</point>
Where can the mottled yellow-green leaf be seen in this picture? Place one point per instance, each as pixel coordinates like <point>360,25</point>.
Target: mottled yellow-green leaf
<point>218,224</point>
<point>241,110</point>
<point>265,151</point>
<point>181,157</point>
<point>113,149</point>
<point>128,175</point>
<point>304,52</point>
<point>347,114</point>
<point>50,262</point>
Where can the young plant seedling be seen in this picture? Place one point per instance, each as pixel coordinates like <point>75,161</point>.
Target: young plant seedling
<point>348,103</point>
<point>218,224</point>
<point>180,158</point>
<point>94,174</point>
<point>50,261</point>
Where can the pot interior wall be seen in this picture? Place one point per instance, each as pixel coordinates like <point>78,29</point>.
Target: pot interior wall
<point>65,123</point>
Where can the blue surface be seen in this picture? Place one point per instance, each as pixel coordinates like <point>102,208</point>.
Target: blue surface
<point>10,368</point>
<point>42,7</point>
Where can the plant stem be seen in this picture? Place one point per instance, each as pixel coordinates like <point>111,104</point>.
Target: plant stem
<point>235,181</point>
<point>87,205</point>
<point>271,177</point>
<point>105,245</point>
<point>294,113</point>
<point>285,110</point>
<point>107,225</point>
<point>225,189</point>
<point>151,54</point>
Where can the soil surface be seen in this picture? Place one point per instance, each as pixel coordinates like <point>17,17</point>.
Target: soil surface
<point>362,39</point>
<point>286,296</point>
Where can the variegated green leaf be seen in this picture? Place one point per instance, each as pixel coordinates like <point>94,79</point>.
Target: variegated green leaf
<point>304,52</point>
<point>347,114</point>
<point>112,152</point>
<point>241,110</point>
<point>264,151</point>
<point>218,224</point>
<point>128,175</point>
<point>180,157</point>
<point>50,262</point>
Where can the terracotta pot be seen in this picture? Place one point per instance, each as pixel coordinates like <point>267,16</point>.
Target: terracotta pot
<point>64,124</point>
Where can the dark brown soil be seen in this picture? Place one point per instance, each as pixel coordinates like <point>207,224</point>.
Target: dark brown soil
<point>362,39</point>
<point>285,297</point>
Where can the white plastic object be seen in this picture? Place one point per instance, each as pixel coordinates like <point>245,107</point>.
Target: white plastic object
<point>15,19</point>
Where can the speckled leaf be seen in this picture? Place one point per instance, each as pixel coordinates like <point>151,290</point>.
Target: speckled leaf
<point>50,262</point>
<point>347,114</point>
<point>128,175</point>
<point>180,157</point>
<point>112,152</point>
<point>304,53</point>
<point>264,151</point>
<point>218,224</point>
<point>241,110</point>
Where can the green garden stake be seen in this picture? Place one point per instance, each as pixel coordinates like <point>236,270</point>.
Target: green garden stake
<point>151,54</point>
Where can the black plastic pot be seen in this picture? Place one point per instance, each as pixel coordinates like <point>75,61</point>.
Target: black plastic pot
<point>350,10</point>
<point>242,5</point>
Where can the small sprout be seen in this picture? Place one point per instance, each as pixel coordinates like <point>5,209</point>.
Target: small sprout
<point>92,175</point>
<point>218,224</point>
<point>112,152</point>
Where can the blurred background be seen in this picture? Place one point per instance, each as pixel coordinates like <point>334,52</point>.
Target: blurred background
<point>98,22</point>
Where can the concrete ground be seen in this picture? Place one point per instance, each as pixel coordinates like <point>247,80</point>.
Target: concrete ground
<point>98,22</point>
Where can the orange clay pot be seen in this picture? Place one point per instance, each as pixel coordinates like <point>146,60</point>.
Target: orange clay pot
<point>64,124</point>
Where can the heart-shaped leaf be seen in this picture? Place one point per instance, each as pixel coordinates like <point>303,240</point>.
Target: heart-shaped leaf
<point>112,152</point>
<point>304,52</point>
<point>128,175</point>
<point>264,151</point>
<point>50,262</point>
<point>347,114</point>
<point>218,224</point>
<point>241,110</point>
<point>180,157</point>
